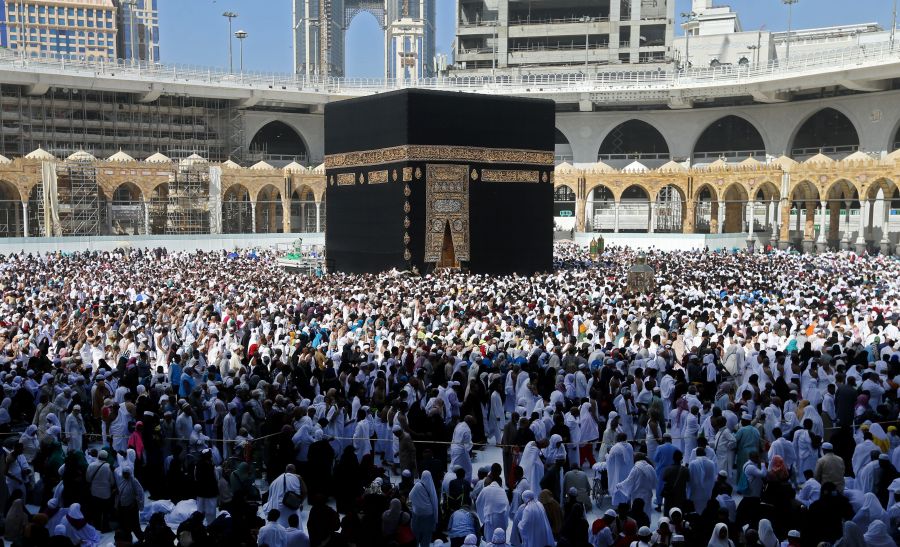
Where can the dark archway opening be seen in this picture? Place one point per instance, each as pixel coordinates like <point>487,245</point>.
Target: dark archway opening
<point>634,140</point>
<point>827,131</point>
<point>278,142</point>
<point>563,148</point>
<point>729,137</point>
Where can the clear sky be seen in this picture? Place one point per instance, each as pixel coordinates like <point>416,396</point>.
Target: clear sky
<point>194,32</point>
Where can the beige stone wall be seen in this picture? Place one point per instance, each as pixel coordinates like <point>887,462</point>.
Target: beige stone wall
<point>731,186</point>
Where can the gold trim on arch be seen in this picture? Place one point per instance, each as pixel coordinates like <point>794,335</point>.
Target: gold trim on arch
<point>430,153</point>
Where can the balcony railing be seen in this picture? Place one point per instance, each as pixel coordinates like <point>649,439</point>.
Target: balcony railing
<point>827,150</point>
<point>729,154</point>
<point>823,62</point>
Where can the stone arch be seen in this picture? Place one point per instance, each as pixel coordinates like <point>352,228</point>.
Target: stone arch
<point>563,192</point>
<point>671,207</point>
<point>829,130</point>
<point>563,147</point>
<point>706,209</point>
<point>632,140</point>
<point>278,141</point>
<point>730,136</point>
<point>634,208</point>
<point>269,210</point>
<point>766,191</point>
<point>804,199</point>
<point>565,205</point>
<point>9,191</point>
<point>126,210</point>
<point>883,184</point>
<point>842,197</point>
<point>894,138</point>
<point>734,199</point>
<point>842,189</point>
<point>600,209</point>
<point>804,190</point>
<point>304,209</point>
<point>237,210</point>
<point>12,223</point>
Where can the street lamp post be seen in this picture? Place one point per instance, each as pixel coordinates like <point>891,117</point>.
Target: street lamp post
<point>241,36</point>
<point>893,25</point>
<point>587,41</point>
<point>230,15</point>
<point>688,17</point>
<point>755,54</point>
<point>790,5</point>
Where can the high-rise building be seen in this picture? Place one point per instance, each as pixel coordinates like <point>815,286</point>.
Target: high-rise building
<point>544,36</point>
<point>3,23</point>
<point>320,28</point>
<point>138,23</point>
<point>83,28</point>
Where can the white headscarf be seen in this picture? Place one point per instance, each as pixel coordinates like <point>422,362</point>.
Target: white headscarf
<point>423,497</point>
<point>587,426</point>
<point>767,534</point>
<point>878,535</point>
<point>714,540</point>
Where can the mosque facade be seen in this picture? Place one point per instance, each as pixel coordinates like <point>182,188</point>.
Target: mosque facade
<point>802,149</point>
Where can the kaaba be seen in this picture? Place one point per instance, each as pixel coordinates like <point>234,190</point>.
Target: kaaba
<point>420,180</point>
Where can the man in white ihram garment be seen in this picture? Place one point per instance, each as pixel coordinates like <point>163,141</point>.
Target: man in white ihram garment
<point>75,430</point>
<point>461,445</point>
<point>362,435</point>
<point>639,484</point>
<point>496,417</point>
<point>618,465</point>
<point>702,479</point>
<point>492,507</point>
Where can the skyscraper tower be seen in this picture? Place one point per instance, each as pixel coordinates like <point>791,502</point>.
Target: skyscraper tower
<point>320,29</point>
<point>138,26</point>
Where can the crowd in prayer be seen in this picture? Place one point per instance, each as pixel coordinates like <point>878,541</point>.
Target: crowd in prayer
<point>194,399</point>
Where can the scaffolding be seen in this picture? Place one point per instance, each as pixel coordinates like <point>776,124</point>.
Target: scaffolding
<point>66,120</point>
<point>79,199</point>
<point>188,200</point>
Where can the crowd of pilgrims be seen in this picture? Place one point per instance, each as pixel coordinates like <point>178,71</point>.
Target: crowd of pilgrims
<point>196,399</point>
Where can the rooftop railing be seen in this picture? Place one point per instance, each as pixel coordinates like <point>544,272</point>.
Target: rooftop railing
<point>663,78</point>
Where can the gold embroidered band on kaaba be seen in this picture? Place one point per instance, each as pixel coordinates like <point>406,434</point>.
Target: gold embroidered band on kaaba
<point>418,152</point>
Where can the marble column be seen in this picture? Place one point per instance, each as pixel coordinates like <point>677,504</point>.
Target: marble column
<point>286,215</point>
<point>318,217</point>
<point>845,241</point>
<point>721,220</point>
<point>616,221</point>
<point>822,242</point>
<point>146,217</point>
<point>885,244</point>
<point>751,210</point>
<point>253,215</point>
<point>863,220</point>
<point>25,216</point>
<point>652,227</point>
